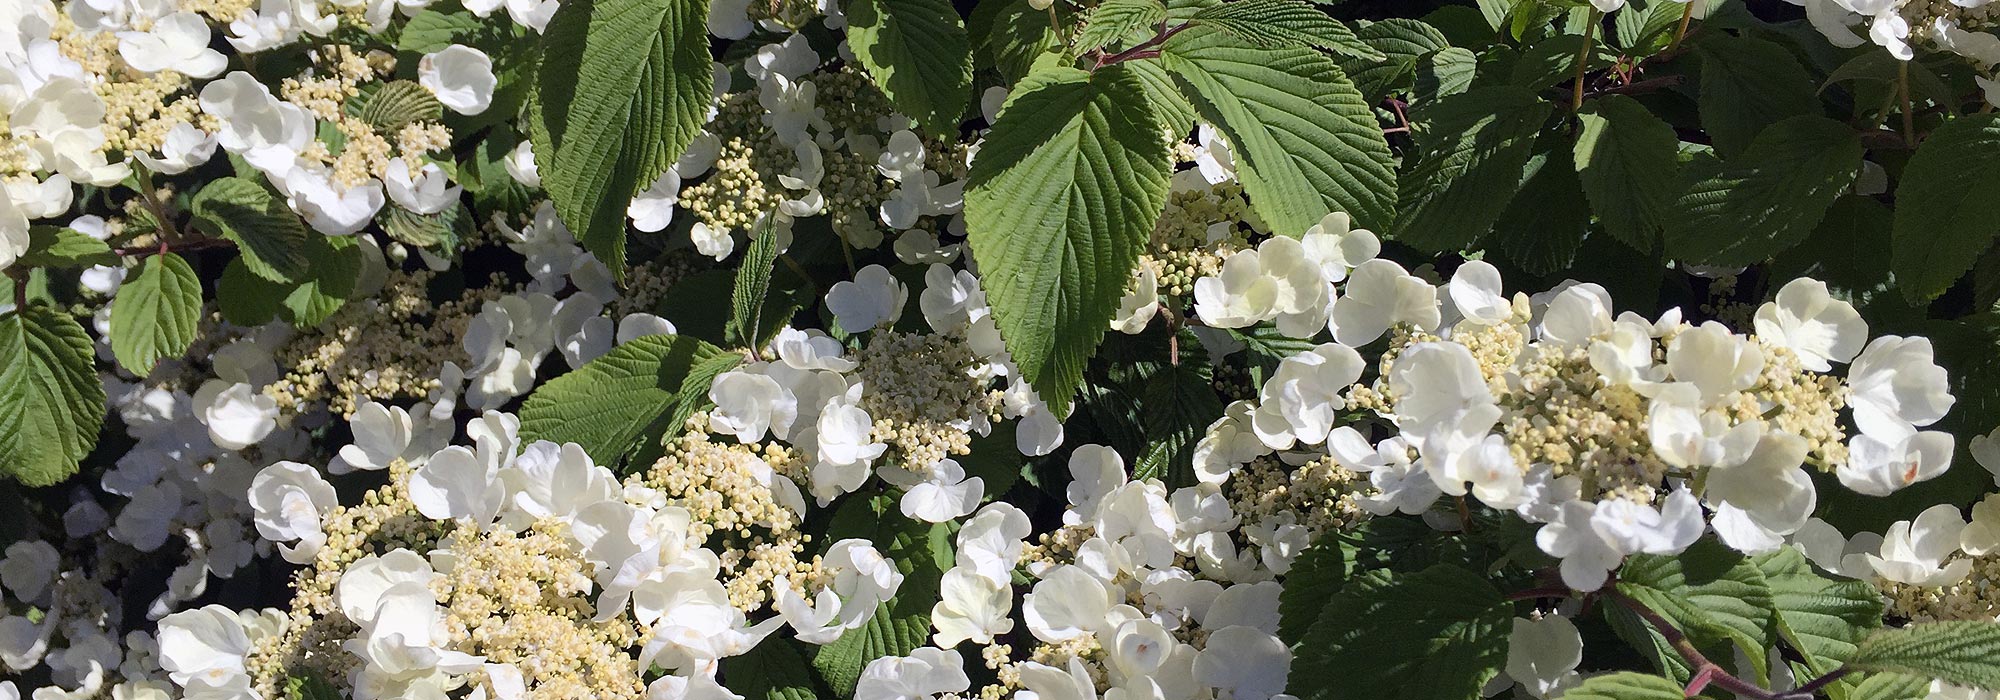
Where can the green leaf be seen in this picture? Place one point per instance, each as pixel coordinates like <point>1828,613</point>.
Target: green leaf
<point>1768,199</point>
<point>63,247</point>
<point>922,551</point>
<point>1444,72</point>
<point>1179,404</point>
<point>1438,633</point>
<point>1944,206</point>
<point>1709,592</point>
<point>1113,20</point>
<point>398,103</point>
<point>246,299</point>
<point>440,231</point>
<point>270,237</point>
<point>51,401</point>
<point>693,395</point>
<point>1304,140</point>
<point>155,314</point>
<point>1747,84</point>
<point>1064,194</point>
<point>1823,619</point>
<point>1317,574</point>
<point>1402,42</point>
<point>624,85</point>
<point>1472,150</point>
<point>1965,653</point>
<point>310,687</point>
<point>1286,24</point>
<point>1012,34</point>
<point>1627,159</point>
<point>1625,685</point>
<point>917,52</point>
<point>335,267</point>
<point>1643,31</point>
<point>1552,61</point>
<point>1543,228</point>
<point>1890,686</point>
<point>753,280</point>
<point>1170,108</point>
<point>431,31</point>
<point>776,669</point>
<point>606,404</point>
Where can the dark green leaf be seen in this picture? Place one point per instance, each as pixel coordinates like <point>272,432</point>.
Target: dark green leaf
<point>1944,205</point>
<point>267,233</point>
<point>1438,633</point>
<point>917,52</point>
<point>1960,653</point>
<point>1746,85</point>
<point>61,247</point>
<point>1473,149</point>
<point>1627,161</point>
<point>1768,199</point>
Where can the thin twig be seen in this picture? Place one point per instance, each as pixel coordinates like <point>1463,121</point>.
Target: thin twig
<point>1909,112</point>
<point>1583,56</point>
<point>1687,14</point>
<point>1145,49</point>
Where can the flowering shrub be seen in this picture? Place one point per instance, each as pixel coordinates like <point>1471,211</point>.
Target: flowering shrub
<point>1058,350</point>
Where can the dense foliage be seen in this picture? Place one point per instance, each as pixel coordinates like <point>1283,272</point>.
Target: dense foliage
<point>1048,349</point>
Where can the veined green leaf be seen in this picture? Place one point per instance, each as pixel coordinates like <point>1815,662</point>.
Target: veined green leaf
<point>1960,653</point>
<point>63,247</point>
<point>1543,228</point>
<point>1286,23</point>
<point>1626,159</point>
<point>1113,20</point>
<point>270,237</point>
<point>753,279</point>
<point>1304,141</point>
<point>1063,195</point>
<point>624,85</point>
<point>1710,592</point>
<point>396,104</point>
<point>1472,149</point>
<point>330,280</point>
<point>1767,199</point>
<point>607,404</point>
<point>51,401</point>
<point>1438,633</point>
<point>918,53</point>
<point>1625,685</point>
<point>1944,206</point>
<point>1402,42</point>
<point>1746,85</point>
<point>155,313</point>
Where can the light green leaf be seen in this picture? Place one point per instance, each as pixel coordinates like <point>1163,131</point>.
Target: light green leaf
<point>1890,686</point>
<point>1552,61</point>
<point>51,401</point>
<point>155,314</point>
<point>1710,592</point>
<point>1113,20</point>
<point>606,404</point>
<point>624,85</point>
<point>1627,160</point>
<point>917,52</point>
<point>753,280</point>
<point>1304,141</point>
<point>1767,199</point>
<point>1170,108</point>
<point>335,268</point>
<point>1286,23</point>
<point>1625,685</point>
<point>1645,30</point>
<point>270,237</point>
<point>1438,633</point>
<point>63,247</point>
<point>1444,72</point>
<point>1063,195</point>
<point>396,104</point>
<point>1472,149</point>
<point>1823,619</point>
<point>441,231</point>
<point>1402,42</point>
<point>1960,653</point>
<point>1746,85</point>
<point>1944,206</point>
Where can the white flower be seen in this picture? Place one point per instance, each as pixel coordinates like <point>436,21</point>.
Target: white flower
<point>267,132</point>
<point>810,349</point>
<point>730,19</point>
<point>1895,387</point>
<point>204,646</point>
<point>330,206</point>
<point>237,416</point>
<point>520,165</point>
<point>873,298</point>
<point>456,484</point>
<point>951,299</point>
<point>1068,602</point>
<point>358,592</point>
<point>992,541</point>
<point>1542,654</point>
<point>1047,682</point>
<point>971,606</point>
<point>405,638</point>
<point>1826,547</point>
<point>926,673</point>
<point>1379,295</point>
<point>185,146</point>
<point>1212,157</point>
<point>1593,538</point>
<point>1476,293</point>
<point>1982,536</point>
<point>1577,314</point>
<point>1811,323</point>
<point>460,76</point>
<point>942,492</point>
<point>381,435</point>
<point>177,42</point>
<point>1715,360</point>
<point>1300,402</point>
<point>551,481</point>
<point>1245,663</point>
<point>1432,382</point>
<point>423,190</point>
<point>653,209</point>
<point>747,405</point>
<point>1760,501</point>
<point>1138,306</point>
<point>144,522</point>
<point>1913,552</point>
<point>791,58</point>
<point>1683,434</point>
<point>289,499</point>
<point>920,247</point>
<point>1878,466</point>
<point>1242,295</point>
<point>1337,247</point>
<point>860,579</point>
<point>29,567</point>
<point>13,232</point>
